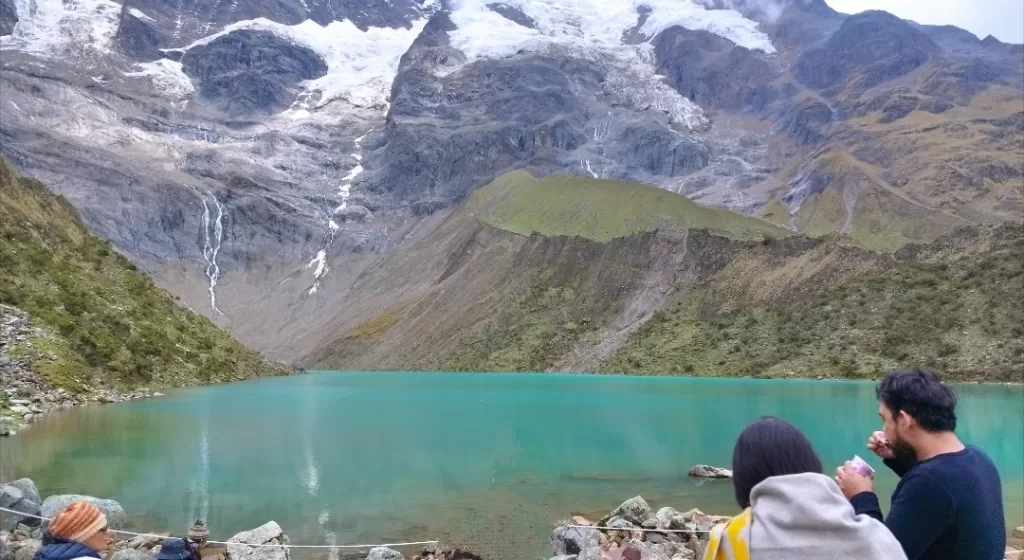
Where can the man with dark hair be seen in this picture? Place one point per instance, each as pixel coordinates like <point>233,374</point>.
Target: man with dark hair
<point>948,504</point>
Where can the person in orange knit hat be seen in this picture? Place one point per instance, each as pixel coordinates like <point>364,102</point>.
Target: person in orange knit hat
<point>79,530</point>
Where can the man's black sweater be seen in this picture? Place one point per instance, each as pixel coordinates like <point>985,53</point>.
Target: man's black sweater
<point>949,507</point>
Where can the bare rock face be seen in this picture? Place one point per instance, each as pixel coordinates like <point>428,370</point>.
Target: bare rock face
<point>8,17</point>
<point>876,46</point>
<point>251,72</point>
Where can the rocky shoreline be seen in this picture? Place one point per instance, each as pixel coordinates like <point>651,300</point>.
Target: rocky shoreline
<point>26,396</point>
<point>663,534</point>
<point>21,536</point>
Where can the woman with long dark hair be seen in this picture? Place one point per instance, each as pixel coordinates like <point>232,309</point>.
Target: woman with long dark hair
<point>791,510</point>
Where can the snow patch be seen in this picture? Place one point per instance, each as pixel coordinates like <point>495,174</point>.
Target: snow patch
<point>168,77</point>
<point>483,33</point>
<point>594,30</point>
<point>63,27</point>
<point>344,192</point>
<point>361,65</point>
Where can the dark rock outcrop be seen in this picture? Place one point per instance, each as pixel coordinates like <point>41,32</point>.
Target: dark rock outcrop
<point>251,72</point>
<point>138,39</point>
<point>807,121</point>
<point>872,46</point>
<point>712,71</point>
<point>8,17</point>
<point>898,108</point>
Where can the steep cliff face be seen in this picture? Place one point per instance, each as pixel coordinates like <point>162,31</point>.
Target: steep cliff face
<point>258,157</point>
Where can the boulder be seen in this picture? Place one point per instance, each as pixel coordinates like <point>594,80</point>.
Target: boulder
<point>635,510</point>
<point>669,518</point>
<point>28,550</point>
<point>116,518</point>
<point>1013,554</point>
<point>131,554</point>
<point>574,540</point>
<point>270,533</point>
<point>13,498</point>
<point>580,520</point>
<point>707,471</point>
<point>5,552</point>
<point>1019,532</point>
<point>384,553</point>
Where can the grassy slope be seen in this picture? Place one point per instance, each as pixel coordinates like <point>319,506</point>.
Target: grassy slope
<point>602,210</point>
<point>105,320</point>
<point>960,313</point>
<point>545,314</point>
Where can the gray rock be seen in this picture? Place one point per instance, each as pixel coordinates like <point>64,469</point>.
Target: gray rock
<point>8,17</point>
<point>246,71</point>
<point>706,471</point>
<point>131,554</point>
<point>384,553</point>
<point>693,62</point>
<point>13,498</point>
<point>898,108</point>
<point>876,45</point>
<point>669,518</point>
<point>28,550</point>
<point>635,510</point>
<point>564,557</point>
<point>116,518</point>
<point>568,541</point>
<point>269,533</point>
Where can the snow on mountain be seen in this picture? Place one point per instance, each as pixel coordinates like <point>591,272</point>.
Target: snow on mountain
<point>361,64</point>
<point>600,24</point>
<point>63,27</point>
<point>598,30</point>
<point>167,76</point>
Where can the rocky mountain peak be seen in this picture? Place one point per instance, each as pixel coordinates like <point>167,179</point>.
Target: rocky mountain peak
<point>271,151</point>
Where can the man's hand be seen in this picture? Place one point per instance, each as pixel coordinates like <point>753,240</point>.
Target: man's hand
<point>852,483</point>
<point>879,445</point>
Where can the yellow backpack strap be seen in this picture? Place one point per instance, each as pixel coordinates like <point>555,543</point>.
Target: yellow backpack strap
<point>728,541</point>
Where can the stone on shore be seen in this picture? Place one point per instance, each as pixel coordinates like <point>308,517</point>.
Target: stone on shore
<point>580,520</point>
<point>116,518</point>
<point>28,488</point>
<point>13,498</point>
<point>270,533</point>
<point>384,553</point>
<point>635,510</point>
<point>574,540</point>
<point>131,554</point>
<point>1019,532</point>
<point>1013,554</point>
<point>707,471</point>
<point>670,519</point>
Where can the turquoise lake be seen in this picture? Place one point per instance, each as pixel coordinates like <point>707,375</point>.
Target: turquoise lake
<point>487,461</point>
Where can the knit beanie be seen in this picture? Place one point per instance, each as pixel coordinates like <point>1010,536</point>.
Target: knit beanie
<point>77,521</point>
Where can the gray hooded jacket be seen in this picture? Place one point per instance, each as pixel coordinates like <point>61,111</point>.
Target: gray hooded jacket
<point>806,517</point>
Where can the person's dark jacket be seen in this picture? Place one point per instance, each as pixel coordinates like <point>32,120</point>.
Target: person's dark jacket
<point>949,507</point>
<point>65,550</point>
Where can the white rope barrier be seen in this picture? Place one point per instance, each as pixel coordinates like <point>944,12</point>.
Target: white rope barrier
<point>690,531</point>
<point>164,537</point>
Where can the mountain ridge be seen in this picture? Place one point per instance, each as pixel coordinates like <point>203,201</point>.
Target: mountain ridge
<point>258,161</point>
